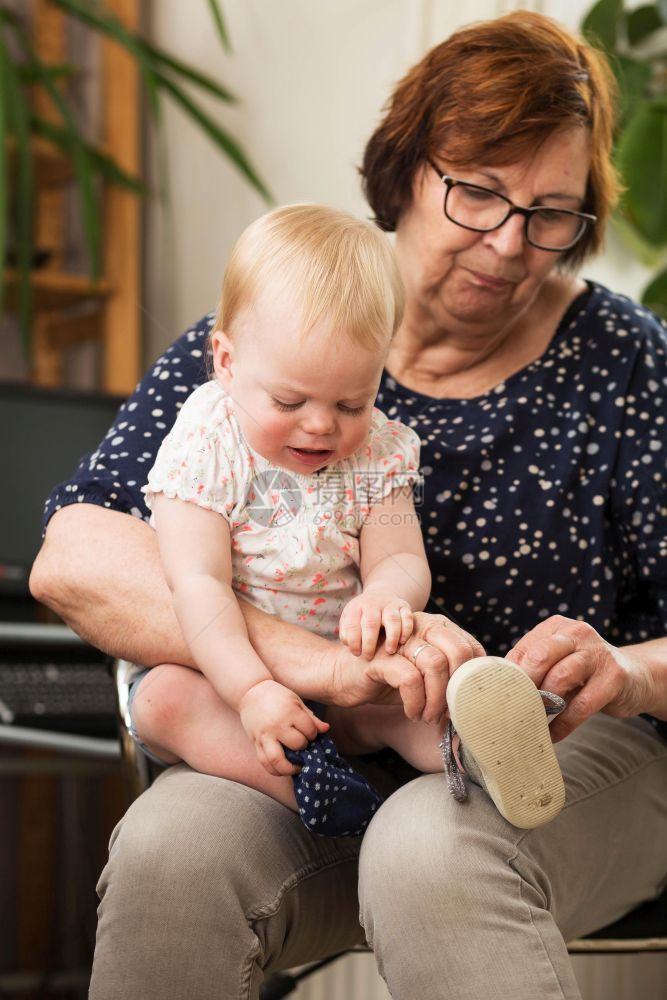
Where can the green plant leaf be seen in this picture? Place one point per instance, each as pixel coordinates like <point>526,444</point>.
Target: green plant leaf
<point>80,158</point>
<point>633,79</point>
<point>641,155</point>
<point>109,25</point>
<point>9,17</point>
<point>655,294</point>
<point>218,135</point>
<point>190,73</point>
<point>102,20</point>
<point>161,73</point>
<point>112,173</point>
<point>152,92</point>
<point>18,117</point>
<point>154,62</point>
<point>646,253</point>
<point>601,23</point>
<point>219,21</point>
<point>662,10</point>
<point>642,22</point>
<point>58,71</point>
<point>149,56</point>
<point>101,163</point>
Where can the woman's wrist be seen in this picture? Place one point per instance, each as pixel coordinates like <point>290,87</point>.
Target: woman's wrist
<point>647,680</point>
<point>294,657</point>
<point>315,668</point>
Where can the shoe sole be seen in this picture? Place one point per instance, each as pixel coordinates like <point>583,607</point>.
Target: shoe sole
<point>499,715</point>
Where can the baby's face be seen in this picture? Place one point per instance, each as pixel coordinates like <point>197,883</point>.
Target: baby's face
<point>302,402</point>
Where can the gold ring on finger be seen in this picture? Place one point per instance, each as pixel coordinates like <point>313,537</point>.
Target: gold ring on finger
<point>418,650</point>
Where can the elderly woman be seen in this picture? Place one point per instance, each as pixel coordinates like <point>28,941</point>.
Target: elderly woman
<point>540,402</point>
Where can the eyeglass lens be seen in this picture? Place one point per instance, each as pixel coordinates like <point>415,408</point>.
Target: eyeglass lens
<point>478,208</point>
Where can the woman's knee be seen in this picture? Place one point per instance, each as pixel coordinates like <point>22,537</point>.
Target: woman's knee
<point>198,861</point>
<point>194,835</point>
<point>188,867</point>
<point>426,856</point>
<point>168,843</point>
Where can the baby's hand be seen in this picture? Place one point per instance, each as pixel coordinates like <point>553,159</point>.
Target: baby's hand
<point>272,715</point>
<point>363,617</point>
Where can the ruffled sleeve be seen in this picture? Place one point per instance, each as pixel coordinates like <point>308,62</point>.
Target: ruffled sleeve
<point>392,458</point>
<point>195,460</point>
<point>113,474</point>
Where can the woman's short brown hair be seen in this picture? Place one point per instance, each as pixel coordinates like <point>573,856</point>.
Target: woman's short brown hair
<point>490,94</point>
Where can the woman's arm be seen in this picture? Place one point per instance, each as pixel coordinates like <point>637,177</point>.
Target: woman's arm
<point>100,571</point>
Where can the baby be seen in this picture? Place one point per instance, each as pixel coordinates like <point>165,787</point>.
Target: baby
<point>280,482</point>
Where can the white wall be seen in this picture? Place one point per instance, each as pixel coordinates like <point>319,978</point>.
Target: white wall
<point>311,77</point>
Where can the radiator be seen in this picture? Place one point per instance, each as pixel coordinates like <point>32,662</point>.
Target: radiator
<point>354,977</point>
<point>600,977</point>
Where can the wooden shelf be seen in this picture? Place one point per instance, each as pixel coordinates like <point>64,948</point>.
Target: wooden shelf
<point>56,290</point>
<point>52,168</point>
<point>71,309</point>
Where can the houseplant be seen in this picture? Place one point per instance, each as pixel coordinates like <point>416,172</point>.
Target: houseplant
<point>635,42</point>
<point>22,71</point>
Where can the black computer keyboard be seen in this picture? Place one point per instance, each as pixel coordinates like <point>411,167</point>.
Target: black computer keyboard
<point>58,686</point>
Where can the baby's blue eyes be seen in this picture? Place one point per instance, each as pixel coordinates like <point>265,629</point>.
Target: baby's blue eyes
<point>352,411</point>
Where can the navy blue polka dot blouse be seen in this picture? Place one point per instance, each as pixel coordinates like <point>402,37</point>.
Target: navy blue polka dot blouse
<point>545,495</point>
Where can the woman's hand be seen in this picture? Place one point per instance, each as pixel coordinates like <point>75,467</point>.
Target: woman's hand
<point>569,658</point>
<point>416,675</point>
<point>274,717</point>
<point>436,647</point>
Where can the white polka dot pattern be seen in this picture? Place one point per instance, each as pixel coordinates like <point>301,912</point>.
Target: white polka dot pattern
<point>546,495</point>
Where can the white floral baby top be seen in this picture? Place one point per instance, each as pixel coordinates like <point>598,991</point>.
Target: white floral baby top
<point>295,538</point>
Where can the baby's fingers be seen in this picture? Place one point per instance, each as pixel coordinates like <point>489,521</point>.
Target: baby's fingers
<point>350,631</point>
<point>272,757</point>
<point>370,631</point>
<point>407,624</point>
<point>393,628</point>
<point>308,724</point>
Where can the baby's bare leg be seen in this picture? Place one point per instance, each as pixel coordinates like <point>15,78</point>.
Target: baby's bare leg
<point>179,716</point>
<point>367,728</point>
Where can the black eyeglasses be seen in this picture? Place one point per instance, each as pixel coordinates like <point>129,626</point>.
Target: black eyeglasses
<point>482,210</point>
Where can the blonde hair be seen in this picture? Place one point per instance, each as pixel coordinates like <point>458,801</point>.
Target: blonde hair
<point>333,267</point>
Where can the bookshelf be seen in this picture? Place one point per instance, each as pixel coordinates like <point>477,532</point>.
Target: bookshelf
<point>68,308</point>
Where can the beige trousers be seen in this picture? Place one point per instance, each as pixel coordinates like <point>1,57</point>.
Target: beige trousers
<point>209,883</point>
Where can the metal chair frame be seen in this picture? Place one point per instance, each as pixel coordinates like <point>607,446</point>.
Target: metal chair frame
<point>644,929</point>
